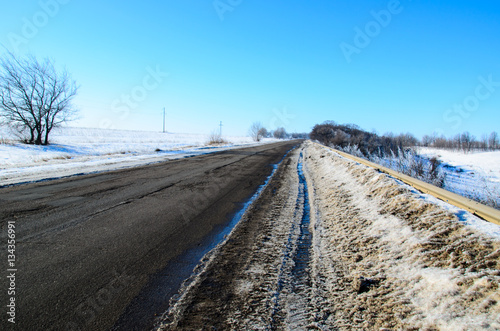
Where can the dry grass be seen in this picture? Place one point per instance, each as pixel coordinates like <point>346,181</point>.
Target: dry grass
<point>431,270</point>
<point>62,157</point>
<point>216,139</point>
<point>5,141</point>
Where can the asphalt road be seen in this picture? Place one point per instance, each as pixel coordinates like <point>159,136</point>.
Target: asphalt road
<point>90,250</point>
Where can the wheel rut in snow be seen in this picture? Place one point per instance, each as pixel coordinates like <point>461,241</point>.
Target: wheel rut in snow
<point>260,278</point>
<point>302,256</point>
<point>295,279</point>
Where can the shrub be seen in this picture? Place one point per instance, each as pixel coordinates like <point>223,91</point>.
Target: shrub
<point>216,139</point>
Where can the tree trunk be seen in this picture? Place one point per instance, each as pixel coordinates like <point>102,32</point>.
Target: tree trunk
<point>47,131</point>
<point>32,136</point>
<point>38,140</point>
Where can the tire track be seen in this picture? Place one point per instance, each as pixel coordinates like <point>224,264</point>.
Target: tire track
<point>261,278</point>
<point>292,298</point>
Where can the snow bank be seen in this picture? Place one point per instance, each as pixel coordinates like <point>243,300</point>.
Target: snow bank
<point>425,267</point>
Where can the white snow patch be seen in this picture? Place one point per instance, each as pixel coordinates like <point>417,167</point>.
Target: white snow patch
<point>475,175</point>
<point>487,163</point>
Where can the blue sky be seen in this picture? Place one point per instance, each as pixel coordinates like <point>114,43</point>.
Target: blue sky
<point>400,66</point>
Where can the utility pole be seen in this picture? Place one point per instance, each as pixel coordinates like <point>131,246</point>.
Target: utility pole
<point>220,129</point>
<point>163,119</point>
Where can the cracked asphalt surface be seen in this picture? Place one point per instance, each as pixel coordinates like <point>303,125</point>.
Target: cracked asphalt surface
<point>88,246</point>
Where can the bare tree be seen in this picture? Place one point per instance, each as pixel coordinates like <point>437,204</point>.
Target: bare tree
<point>280,133</point>
<point>257,131</point>
<point>35,97</point>
<point>427,141</point>
<point>467,141</point>
<point>493,141</point>
<point>483,144</point>
<point>264,133</point>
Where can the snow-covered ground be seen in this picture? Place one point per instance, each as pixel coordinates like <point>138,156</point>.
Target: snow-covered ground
<point>432,265</point>
<point>335,245</point>
<point>475,175</point>
<point>85,150</point>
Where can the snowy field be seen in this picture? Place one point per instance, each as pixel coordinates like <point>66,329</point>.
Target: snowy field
<point>475,175</point>
<point>83,150</point>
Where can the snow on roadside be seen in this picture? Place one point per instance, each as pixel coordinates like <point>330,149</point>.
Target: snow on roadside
<point>487,163</point>
<point>381,257</point>
<point>421,265</point>
<point>475,175</point>
<point>84,150</point>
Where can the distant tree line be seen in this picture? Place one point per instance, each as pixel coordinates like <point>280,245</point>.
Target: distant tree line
<point>369,144</point>
<point>257,131</point>
<point>398,153</point>
<point>392,151</point>
<point>465,142</point>
<point>347,136</point>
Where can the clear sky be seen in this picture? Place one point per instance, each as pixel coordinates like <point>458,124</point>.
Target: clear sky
<point>400,66</point>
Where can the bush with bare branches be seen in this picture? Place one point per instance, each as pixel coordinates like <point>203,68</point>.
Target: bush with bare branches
<point>216,139</point>
<point>257,131</point>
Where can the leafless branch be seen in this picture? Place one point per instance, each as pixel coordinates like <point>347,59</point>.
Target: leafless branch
<point>35,97</point>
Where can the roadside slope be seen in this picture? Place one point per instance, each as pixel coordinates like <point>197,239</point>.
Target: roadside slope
<point>400,261</point>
